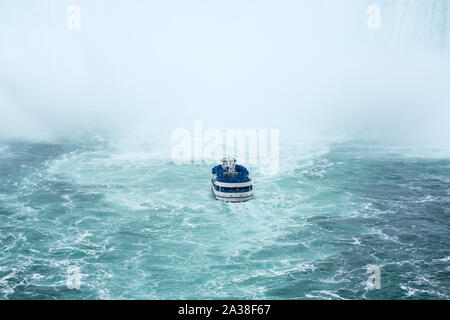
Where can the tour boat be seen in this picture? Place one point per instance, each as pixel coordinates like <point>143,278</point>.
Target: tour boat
<point>230,182</point>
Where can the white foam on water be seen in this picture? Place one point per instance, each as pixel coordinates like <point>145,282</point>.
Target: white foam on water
<point>4,151</point>
<point>325,295</point>
<point>446,259</point>
<point>134,209</point>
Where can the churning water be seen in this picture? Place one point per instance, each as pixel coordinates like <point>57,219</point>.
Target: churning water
<point>102,220</point>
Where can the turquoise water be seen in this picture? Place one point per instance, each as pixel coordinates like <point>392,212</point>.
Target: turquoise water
<point>102,217</point>
<point>96,219</point>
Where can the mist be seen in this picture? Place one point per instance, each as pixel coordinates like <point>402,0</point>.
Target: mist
<point>304,67</point>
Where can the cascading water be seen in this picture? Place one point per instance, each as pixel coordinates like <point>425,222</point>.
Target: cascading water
<point>108,214</point>
<point>423,23</point>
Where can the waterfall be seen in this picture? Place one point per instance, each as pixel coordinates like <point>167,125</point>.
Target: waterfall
<point>417,23</point>
<point>447,31</point>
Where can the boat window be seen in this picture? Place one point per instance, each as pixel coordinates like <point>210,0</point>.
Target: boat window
<point>235,189</point>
